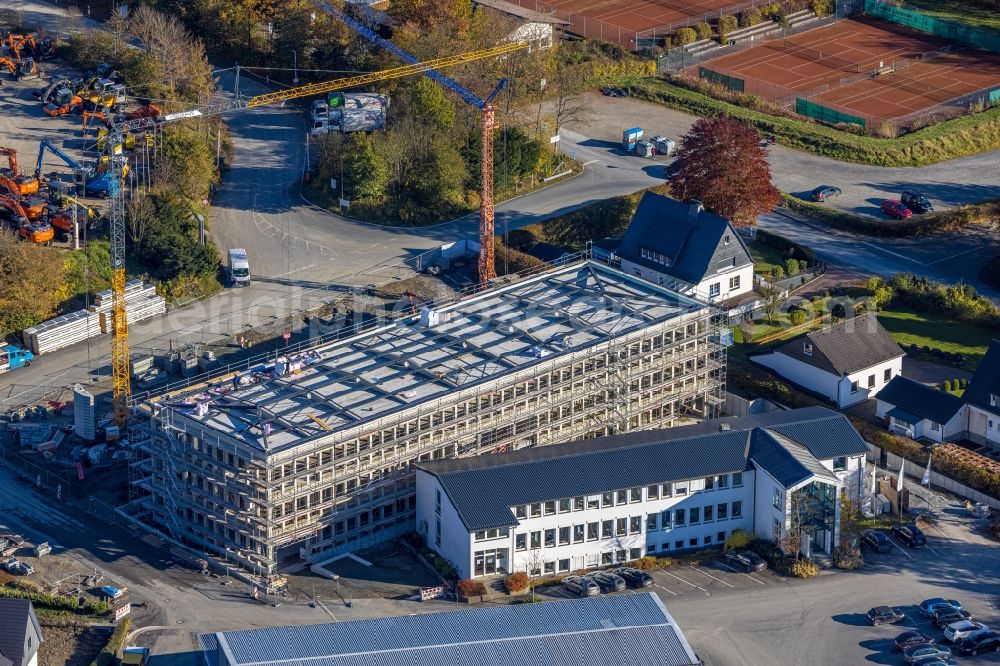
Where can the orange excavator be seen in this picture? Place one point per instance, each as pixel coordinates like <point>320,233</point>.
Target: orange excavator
<point>25,184</point>
<point>26,67</point>
<point>63,219</point>
<point>36,232</point>
<point>34,208</point>
<point>10,65</point>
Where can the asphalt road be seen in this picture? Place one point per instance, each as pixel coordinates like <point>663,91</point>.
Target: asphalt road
<point>961,181</point>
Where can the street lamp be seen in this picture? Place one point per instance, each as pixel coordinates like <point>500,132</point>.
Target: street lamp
<point>295,67</point>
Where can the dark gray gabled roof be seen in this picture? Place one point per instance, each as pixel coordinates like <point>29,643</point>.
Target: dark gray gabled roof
<point>648,457</point>
<point>985,381</point>
<point>621,630</point>
<point>848,346</point>
<point>920,400</point>
<point>695,244</point>
<point>787,461</point>
<point>16,616</point>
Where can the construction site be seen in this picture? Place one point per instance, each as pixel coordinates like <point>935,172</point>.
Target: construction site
<point>309,456</point>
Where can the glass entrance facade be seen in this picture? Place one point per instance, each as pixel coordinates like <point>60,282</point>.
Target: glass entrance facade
<point>490,562</point>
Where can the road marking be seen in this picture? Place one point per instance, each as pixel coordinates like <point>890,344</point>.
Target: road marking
<point>590,162</point>
<point>931,548</point>
<point>742,573</point>
<point>957,254</point>
<point>895,254</point>
<point>685,582</point>
<point>901,549</point>
<point>713,577</point>
<point>663,588</point>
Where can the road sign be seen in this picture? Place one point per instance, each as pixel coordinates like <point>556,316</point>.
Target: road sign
<point>287,336</point>
<point>344,203</point>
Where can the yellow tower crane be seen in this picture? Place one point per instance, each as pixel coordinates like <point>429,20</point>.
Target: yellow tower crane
<point>121,381</point>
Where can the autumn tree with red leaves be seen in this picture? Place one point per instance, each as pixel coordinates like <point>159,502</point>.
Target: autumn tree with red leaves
<point>722,164</point>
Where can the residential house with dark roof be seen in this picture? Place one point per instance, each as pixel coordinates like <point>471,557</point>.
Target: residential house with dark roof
<point>20,633</point>
<point>563,507</point>
<point>918,411</point>
<point>982,400</point>
<point>684,246</point>
<point>846,363</point>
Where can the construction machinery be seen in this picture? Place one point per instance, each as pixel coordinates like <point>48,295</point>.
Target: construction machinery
<point>87,180</point>
<point>120,379</point>
<point>10,65</point>
<point>63,101</point>
<point>36,232</point>
<point>25,184</point>
<point>63,219</point>
<point>34,207</point>
<point>487,270</point>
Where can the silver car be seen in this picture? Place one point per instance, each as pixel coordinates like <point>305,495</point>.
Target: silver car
<point>581,586</point>
<point>958,631</point>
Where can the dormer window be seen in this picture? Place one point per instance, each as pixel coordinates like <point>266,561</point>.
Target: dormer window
<point>807,348</point>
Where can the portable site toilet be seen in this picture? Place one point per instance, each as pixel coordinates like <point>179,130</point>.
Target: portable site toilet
<point>664,146</point>
<point>644,149</point>
<point>630,137</point>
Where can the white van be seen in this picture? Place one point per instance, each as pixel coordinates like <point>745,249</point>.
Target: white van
<point>239,267</point>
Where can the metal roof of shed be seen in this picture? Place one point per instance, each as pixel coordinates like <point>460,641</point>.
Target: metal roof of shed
<point>622,630</point>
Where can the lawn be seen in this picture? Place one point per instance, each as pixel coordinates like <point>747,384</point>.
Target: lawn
<point>765,256</point>
<point>908,327</point>
<point>959,11</point>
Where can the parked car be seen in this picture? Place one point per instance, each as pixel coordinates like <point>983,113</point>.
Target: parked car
<point>916,202</point>
<point>885,615</point>
<point>911,639</point>
<point>945,616</point>
<point>581,586</point>
<point>910,535</point>
<point>984,641</point>
<point>824,192</point>
<point>895,208</point>
<point>912,655</point>
<point>608,582</point>
<point>956,632</point>
<point>634,577</point>
<point>981,510</point>
<point>936,661</point>
<point>876,540</point>
<point>746,560</point>
<point>928,606</point>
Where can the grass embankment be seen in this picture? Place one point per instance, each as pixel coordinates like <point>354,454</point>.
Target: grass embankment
<point>960,11</point>
<point>960,137</point>
<point>908,327</point>
<point>765,257</point>
<point>943,221</point>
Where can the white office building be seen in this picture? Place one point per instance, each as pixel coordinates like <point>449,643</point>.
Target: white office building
<point>614,499</point>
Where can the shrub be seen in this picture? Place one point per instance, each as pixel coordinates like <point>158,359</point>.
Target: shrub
<point>650,563</point>
<point>517,581</point>
<point>838,311</point>
<point>798,316</point>
<point>963,383</point>
<point>804,569</point>
<point>685,36</point>
<point>738,540</point>
<point>847,558</point>
<point>822,7</point>
<point>792,267</point>
<point>702,31</point>
<point>470,588</point>
<point>109,655</point>
<point>751,17</point>
<point>947,385</point>
<point>727,24</point>
<point>777,272</point>
<point>767,550</point>
<point>521,239</point>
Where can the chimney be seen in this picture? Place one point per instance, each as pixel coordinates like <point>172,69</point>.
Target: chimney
<point>694,208</point>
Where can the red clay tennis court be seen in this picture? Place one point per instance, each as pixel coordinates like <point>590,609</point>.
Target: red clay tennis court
<point>629,21</point>
<point>836,67</point>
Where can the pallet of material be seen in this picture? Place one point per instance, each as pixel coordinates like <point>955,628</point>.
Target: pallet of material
<point>142,292</point>
<point>62,331</point>
<point>136,310</point>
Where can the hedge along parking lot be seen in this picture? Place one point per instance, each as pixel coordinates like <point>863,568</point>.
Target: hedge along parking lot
<point>986,213</point>
<point>961,137</point>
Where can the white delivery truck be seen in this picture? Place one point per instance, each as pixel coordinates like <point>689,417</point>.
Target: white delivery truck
<point>239,267</point>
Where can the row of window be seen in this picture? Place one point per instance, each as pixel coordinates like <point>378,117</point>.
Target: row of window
<point>886,376</point>
<point>646,253</point>
<point>621,555</point>
<point>616,527</point>
<point>621,497</point>
<point>715,288</point>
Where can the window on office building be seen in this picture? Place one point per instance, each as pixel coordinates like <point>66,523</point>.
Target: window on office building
<point>634,553</point>
<point>607,499</point>
<point>564,564</point>
<point>680,489</point>
<point>536,510</point>
<point>564,505</point>
<point>607,529</point>
<point>709,513</point>
<point>592,532</point>
<point>738,509</point>
<point>776,498</point>
<point>578,504</point>
<point>521,542</point>
<point>564,536</point>
<point>635,495</point>
<point>593,501</point>
<point>709,482</point>
<point>550,508</point>
<point>521,512</point>
<point>679,518</point>
<point>536,540</point>
<point>723,481</point>
<point>722,512</point>
<point>667,490</point>
<point>678,544</point>
<point>578,534</point>
<point>621,497</point>
<point>550,538</point>
<point>651,520</point>
<point>605,558</point>
<point>621,526</point>
<point>653,492</point>
<point>635,525</point>
<point>694,515</point>
<point>737,479</point>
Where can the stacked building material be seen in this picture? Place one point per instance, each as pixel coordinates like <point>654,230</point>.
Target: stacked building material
<point>62,331</point>
<point>141,303</point>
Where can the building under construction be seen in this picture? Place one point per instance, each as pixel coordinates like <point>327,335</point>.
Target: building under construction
<point>310,455</point>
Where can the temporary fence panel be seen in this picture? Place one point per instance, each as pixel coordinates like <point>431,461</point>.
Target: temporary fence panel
<point>995,97</point>
<point>731,82</point>
<point>935,26</point>
<point>827,115</point>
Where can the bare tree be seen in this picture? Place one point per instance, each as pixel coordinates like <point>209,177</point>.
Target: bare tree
<point>118,25</point>
<point>532,562</point>
<point>771,298</point>
<point>569,85</point>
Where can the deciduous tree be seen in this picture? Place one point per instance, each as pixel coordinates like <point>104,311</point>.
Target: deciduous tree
<point>722,164</point>
<point>27,275</point>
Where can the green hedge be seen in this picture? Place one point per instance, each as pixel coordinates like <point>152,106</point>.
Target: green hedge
<point>968,135</point>
<point>109,655</point>
<point>786,246</point>
<point>942,221</point>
